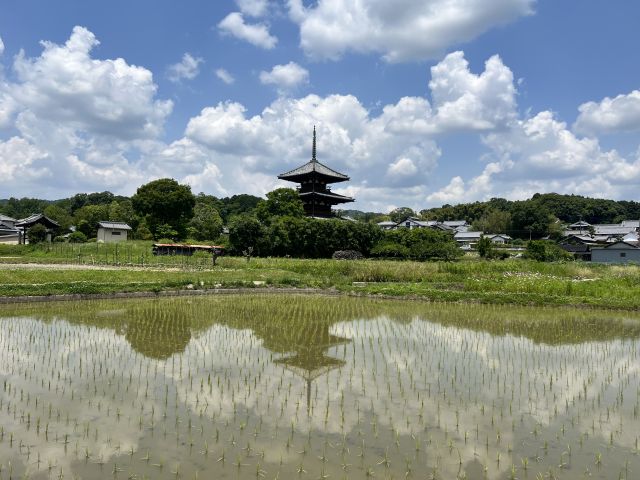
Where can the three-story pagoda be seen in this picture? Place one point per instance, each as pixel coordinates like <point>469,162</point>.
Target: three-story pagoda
<point>313,178</point>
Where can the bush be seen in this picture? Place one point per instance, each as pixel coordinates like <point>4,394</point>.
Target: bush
<point>59,239</point>
<point>347,255</point>
<point>390,250</point>
<point>77,237</point>
<point>37,233</point>
<point>545,251</point>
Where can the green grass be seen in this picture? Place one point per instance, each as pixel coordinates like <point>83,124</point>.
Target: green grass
<point>515,281</point>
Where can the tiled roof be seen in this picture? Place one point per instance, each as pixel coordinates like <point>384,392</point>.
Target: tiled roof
<point>35,218</point>
<point>317,167</point>
<point>5,218</point>
<point>331,195</point>
<point>114,225</point>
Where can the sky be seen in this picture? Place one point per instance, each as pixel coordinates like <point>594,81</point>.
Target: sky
<point>420,102</point>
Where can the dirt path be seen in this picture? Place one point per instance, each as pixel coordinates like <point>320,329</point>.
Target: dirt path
<point>75,266</point>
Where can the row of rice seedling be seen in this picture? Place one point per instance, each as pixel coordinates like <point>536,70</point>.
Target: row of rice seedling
<point>316,387</point>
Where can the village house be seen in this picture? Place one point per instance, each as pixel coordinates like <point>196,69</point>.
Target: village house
<point>109,232</point>
<point>618,252</point>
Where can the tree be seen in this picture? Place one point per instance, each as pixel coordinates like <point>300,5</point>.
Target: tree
<point>401,213</point>
<point>206,223</point>
<point>282,202</point>
<point>245,231</point>
<point>37,233</point>
<point>493,221</point>
<point>59,215</point>
<point>88,217</point>
<point>167,202</point>
<point>530,219</point>
<point>485,247</point>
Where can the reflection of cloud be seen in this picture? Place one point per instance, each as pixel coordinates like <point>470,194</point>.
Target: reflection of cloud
<point>419,391</point>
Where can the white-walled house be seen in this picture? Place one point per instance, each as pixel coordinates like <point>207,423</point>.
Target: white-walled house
<point>499,238</point>
<point>109,232</point>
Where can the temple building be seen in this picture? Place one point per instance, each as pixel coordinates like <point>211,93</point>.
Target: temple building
<point>313,178</point>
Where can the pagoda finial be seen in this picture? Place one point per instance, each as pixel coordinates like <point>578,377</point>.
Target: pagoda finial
<point>313,150</point>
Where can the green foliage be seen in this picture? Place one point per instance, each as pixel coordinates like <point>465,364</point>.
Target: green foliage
<point>59,215</point>
<point>164,230</point>
<point>206,223</point>
<point>529,218</point>
<point>545,251</point>
<point>37,233</point>
<point>418,244</point>
<point>87,218</point>
<point>401,213</point>
<point>245,231</point>
<point>493,221</point>
<point>23,207</point>
<point>485,247</point>
<point>282,202</point>
<point>165,202</point>
<point>77,237</point>
<point>143,232</point>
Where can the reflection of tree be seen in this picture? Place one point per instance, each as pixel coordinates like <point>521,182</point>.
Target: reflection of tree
<point>158,333</point>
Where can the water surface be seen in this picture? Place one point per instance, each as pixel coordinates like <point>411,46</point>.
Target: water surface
<point>316,387</point>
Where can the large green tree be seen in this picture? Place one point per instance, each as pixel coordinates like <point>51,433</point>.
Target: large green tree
<point>206,223</point>
<point>401,213</point>
<point>282,202</point>
<point>165,202</point>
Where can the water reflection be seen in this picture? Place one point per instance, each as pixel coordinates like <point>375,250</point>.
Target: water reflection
<point>242,387</point>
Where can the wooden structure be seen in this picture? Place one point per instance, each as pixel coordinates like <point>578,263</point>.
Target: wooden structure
<point>26,223</point>
<point>184,249</point>
<point>313,178</point>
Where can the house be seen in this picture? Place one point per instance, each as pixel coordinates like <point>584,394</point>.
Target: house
<point>387,225</point>
<point>467,239</point>
<point>618,252</point>
<point>8,232</point>
<point>24,224</point>
<point>109,232</point>
<point>499,238</point>
<point>412,222</point>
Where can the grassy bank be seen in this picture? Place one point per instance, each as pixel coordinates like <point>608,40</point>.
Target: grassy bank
<point>38,271</point>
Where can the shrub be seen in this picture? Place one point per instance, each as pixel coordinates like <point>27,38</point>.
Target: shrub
<point>347,255</point>
<point>545,251</point>
<point>390,250</point>
<point>77,237</point>
<point>37,233</point>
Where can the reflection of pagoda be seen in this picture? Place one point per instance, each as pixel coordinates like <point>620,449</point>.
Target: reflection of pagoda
<point>313,178</point>
<point>310,361</point>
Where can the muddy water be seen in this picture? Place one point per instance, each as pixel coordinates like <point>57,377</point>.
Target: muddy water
<point>246,387</point>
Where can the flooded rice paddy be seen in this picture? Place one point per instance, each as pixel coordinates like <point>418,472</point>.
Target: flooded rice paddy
<point>251,387</point>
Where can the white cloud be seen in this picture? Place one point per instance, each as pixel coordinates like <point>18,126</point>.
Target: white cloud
<point>225,76</point>
<point>621,113</point>
<point>541,154</point>
<point>107,97</point>
<point>285,77</point>
<point>1,46</point>
<point>188,68</point>
<point>257,34</point>
<point>254,8</point>
<point>400,30</point>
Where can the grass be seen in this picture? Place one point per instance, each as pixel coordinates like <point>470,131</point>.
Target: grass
<point>94,268</point>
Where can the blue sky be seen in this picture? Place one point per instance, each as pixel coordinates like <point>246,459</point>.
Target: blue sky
<point>421,102</point>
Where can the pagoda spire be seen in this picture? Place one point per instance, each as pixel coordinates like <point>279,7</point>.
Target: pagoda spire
<point>313,149</point>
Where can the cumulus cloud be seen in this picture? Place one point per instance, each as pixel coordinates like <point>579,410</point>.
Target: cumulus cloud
<point>254,8</point>
<point>80,120</point>
<point>225,76</point>
<point>401,30</point>
<point>187,69</point>
<point>349,139</point>
<point>109,97</point>
<point>621,113</point>
<point>255,33</point>
<point>285,77</point>
<point>1,46</point>
<point>541,154</point>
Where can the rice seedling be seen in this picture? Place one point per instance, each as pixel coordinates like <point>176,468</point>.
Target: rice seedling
<point>316,387</point>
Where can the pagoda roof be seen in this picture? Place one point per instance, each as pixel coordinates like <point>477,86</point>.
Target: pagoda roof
<point>327,195</point>
<point>313,167</point>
